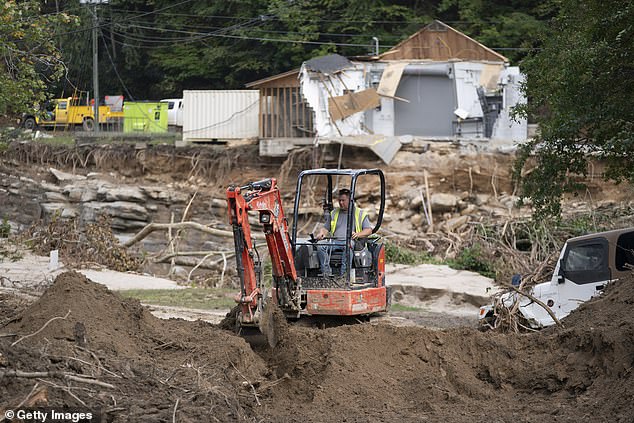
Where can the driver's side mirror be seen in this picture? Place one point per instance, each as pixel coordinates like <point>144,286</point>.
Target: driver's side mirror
<point>561,276</point>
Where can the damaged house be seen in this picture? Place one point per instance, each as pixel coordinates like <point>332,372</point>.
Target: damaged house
<point>438,84</point>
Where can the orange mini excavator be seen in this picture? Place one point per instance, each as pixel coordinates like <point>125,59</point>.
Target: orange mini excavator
<point>299,287</point>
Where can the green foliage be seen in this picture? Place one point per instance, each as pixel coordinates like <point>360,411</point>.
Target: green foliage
<point>498,24</point>
<point>5,228</point>
<point>471,258</point>
<point>580,85</point>
<point>30,59</point>
<point>152,49</point>
<point>395,254</point>
<point>158,50</point>
<point>267,273</point>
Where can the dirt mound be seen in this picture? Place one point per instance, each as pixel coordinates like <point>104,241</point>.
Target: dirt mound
<point>385,373</point>
<point>150,363</point>
<point>98,317</point>
<point>354,373</point>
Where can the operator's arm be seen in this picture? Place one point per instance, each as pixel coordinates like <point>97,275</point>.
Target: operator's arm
<point>366,229</point>
<point>323,230</point>
<point>366,232</point>
<point>322,233</point>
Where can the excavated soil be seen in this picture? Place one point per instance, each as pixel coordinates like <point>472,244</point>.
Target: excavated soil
<point>354,373</point>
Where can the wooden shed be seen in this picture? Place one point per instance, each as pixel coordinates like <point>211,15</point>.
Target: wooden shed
<point>440,42</point>
<point>284,113</point>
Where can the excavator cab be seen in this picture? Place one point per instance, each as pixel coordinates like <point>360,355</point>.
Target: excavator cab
<point>356,265</point>
<point>300,287</point>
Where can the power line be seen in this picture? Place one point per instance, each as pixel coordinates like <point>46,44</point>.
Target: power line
<point>220,35</point>
<point>122,20</point>
<point>401,21</point>
<point>271,31</point>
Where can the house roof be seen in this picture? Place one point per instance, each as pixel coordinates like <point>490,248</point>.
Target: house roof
<point>331,63</point>
<point>285,79</point>
<point>438,41</point>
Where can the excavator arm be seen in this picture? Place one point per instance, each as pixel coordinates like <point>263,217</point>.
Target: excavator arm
<point>264,197</point>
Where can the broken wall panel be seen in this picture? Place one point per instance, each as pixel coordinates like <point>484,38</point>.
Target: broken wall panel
<point>391,78</point>
<point>346,105</point>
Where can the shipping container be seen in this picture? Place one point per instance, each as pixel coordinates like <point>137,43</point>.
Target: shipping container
<point>220,114</point>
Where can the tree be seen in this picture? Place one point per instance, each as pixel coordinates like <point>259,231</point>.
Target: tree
<point>159,47</point>
<point>30,60</point>
<point>580,87</point>
<point>510,27</point>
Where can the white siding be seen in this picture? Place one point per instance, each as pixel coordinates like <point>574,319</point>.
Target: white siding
<point>220,114</point>
<point>508,128</point>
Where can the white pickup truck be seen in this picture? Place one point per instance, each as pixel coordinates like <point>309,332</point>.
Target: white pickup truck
<point>586,264</point>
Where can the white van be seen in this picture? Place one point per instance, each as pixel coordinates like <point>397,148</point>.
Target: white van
<point>586,264</point>
<point>174,112</point>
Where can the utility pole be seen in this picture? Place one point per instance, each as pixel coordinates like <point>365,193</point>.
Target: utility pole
<point>95,64</point>
<point>95,56</point>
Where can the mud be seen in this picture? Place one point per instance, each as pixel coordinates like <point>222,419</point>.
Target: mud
<point>354,373</point>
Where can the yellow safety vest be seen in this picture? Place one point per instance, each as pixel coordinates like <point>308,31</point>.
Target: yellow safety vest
<point>359,216</point>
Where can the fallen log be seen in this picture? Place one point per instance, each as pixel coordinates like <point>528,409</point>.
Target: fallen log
<point>182,225</point>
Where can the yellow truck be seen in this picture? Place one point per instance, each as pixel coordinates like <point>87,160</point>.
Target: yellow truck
<point>69,113</point>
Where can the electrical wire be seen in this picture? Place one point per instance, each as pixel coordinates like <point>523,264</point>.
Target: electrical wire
<point>271,31</point>
<point>402,21</point>
<point>243,37</point>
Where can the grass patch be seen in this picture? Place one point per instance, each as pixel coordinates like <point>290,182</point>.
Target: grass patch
<point>60,139</point>
<point>200,298</point>
<point>472,258</point>
<point>396,254</point>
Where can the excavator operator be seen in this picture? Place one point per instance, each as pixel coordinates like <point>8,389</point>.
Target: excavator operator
<point>335,229</point>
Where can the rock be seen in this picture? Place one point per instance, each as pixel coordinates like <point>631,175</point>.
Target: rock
<point>27,180</point>
<point>455,223</point>
<point>65,177</point>
<point>49,187</point>
<point>416,203</point>
<point>126,224</point>
<point>88,195</point>
<point>441,202</point>
<point>167,196</point>
<point>52,208</point>
<point>417,220</point>
<point>218,203</point>
<point>131,194</point>
<point>75,193</point>
<point>481,199</point>
<point>54,197</point>
<point>118,209</point>
<point>470,209</point>
<point>180,272</point>
<point>69,212</point>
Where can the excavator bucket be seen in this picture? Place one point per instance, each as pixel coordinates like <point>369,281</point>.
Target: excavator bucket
<point>273,323</point>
